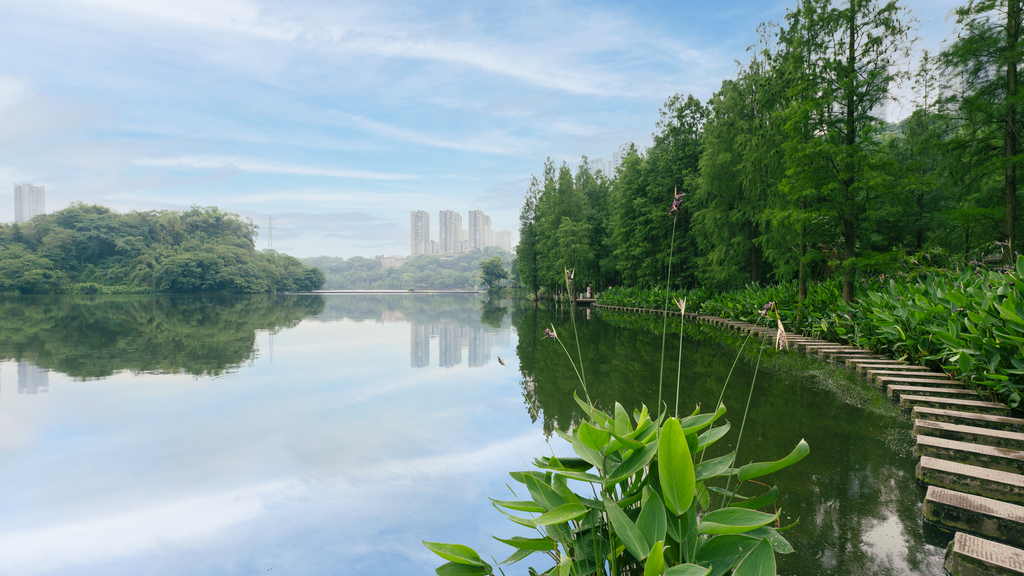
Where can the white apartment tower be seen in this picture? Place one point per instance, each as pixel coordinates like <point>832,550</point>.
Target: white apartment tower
<point>449,233</point>
<point>503,240</point>
<point>480,235</point>
<point>419,235</point>
<point>29,201</point>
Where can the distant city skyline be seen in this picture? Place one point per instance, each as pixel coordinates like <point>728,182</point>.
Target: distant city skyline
<point>452,238</point>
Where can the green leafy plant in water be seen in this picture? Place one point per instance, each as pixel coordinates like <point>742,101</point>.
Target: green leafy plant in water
<point>649,509</point>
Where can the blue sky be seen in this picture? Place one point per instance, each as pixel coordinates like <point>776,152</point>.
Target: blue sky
<point>338,118</point>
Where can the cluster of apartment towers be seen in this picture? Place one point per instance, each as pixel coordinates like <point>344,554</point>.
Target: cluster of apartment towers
<point>29,202</point>
<point>452,239</point>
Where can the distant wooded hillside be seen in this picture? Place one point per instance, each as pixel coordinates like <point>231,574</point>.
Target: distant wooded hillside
<point>90,248</point>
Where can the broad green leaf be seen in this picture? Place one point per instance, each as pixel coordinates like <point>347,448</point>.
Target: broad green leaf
<point>585,452</point>
<point>577,464</point>
<point>637,460</point>
<point>713,467</point>
<point>599,417</point>
<point>761,501</point>
<point>517,556</point>
<point>675,468</point>
<point>626,441</point>
<point>626,530</point>
<point>564,565</point>
<point>529,543</point>
<point>455,553</point>
<point>687,570</point>
<point>622,425</point>
<point>520,505</point>
<point>733,521</point>
<point>655,564</point>
<point>594,438</point>
<point>759,469</point>
<point>758,562</point>
<point>542,492</point>
<point>561,487</point>
<point>563,513</point>
<point>711,436</point>
<point>694,423</point>
<point>581,476</point>
<point>779,544</point>
<point>652,521</point>
<point>456,569</point>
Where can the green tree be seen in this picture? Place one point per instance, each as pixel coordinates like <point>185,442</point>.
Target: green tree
<point>983,63</point>
<point>492,270</point>
<point>847,58</point>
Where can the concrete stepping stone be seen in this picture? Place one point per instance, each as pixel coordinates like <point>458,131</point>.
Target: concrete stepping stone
<point>896,390</point>
<point>997,484</point>
<point>909,401</point>
<point>974,434</point>
<point>863,364</point>
<point>969,453</point>
<point>844,356</point>
<point>912,379</point>
<point>876,373</point>
<point>992,421</point>
<point>972,556</point>
<point>984,516</point>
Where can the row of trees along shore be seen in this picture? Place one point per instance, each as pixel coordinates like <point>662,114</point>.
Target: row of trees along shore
<point>91,249</point>
<point>790,171</point>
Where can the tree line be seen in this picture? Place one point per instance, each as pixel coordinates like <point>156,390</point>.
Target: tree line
<point>90,248</point>
<point>790,170</point>
<point>423,272</point>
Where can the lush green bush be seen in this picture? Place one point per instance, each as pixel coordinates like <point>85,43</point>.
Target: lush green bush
<point>969,323</point>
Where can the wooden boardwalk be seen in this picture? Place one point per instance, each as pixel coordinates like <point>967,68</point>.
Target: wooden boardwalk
<point>971,450</point>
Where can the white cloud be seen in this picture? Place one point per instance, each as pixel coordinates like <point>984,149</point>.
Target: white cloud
<point>200,162</point>
<point>493,142</point>
<point>224,15</point>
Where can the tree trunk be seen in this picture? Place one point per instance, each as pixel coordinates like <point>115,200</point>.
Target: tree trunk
<point>849,207</point>
<point>1010,179</point>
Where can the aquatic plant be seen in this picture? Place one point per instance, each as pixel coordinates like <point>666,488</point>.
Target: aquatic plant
<point>652,503</point>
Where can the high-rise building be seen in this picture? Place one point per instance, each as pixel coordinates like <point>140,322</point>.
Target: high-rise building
<point>419,233</point>
<point>449,233</point>
<point>479,230</point>
<point>503,240</point>
<point>29,202</point>
<point>32,379</point>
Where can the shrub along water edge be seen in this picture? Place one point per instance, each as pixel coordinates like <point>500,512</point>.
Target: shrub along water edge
<point>968,323</point>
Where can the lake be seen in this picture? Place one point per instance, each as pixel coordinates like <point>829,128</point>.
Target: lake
<point>331,434</point>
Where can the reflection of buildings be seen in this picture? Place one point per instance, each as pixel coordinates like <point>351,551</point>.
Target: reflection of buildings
<point>452,338</point>
<point>32,379</point>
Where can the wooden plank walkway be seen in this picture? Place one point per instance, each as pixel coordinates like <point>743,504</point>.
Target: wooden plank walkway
<point>971,452</point>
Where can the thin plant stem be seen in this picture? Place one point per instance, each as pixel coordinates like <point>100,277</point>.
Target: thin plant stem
<point>743,423</point>
<point>578,375</point>
<point>664,326</point>
<point>729,377</point>
<point>679,362</point>
<point>583,373</point>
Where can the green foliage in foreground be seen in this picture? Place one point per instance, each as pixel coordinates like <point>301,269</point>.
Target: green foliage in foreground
<point>91,249</point>
<point>658,506</point>
<point>968,323</point>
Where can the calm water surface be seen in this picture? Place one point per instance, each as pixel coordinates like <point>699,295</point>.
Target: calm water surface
<point>329,435</point>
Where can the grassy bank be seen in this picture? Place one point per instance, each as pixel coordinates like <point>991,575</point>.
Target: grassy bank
<point>969,323</point>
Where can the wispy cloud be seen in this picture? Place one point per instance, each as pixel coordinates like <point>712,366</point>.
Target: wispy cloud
<point>240,164</point>
<point>493,142</point>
